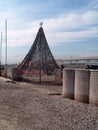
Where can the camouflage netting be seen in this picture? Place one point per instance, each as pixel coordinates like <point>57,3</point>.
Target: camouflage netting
<point>39,60</point>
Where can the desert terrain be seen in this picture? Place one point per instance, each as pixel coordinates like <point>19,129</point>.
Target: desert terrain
<point>29,106</point>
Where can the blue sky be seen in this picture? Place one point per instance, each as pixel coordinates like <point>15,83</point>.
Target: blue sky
<point>71,26</point>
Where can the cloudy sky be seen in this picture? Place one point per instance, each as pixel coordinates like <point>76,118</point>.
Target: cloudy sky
<point>71,26</point>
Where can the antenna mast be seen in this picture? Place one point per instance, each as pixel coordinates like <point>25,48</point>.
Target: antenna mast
<point>0,53</point>
<point>6,48</point>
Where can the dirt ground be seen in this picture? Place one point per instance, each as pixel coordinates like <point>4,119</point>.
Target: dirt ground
<point>26,106</point>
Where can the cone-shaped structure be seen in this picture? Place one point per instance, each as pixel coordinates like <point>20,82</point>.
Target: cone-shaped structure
<point>39,58</point>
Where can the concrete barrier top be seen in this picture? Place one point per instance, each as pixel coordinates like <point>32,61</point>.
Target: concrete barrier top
<point>68,69</point>
<point>93,70</point>
<point>82,69</point>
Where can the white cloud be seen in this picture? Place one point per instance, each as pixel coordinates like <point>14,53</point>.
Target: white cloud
<point>58,29</point>
<point>72,21</point>
<point>90,17</point>
<point>93,4</point>
<point>72,36</point>
<point>92,49</point>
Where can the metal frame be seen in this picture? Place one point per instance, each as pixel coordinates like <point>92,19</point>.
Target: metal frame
<point>39,58</point>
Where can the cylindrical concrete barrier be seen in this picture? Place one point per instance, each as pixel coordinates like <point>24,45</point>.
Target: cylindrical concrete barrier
<point>68,83</point>
<point>82,79</point>
<point>93,94</point>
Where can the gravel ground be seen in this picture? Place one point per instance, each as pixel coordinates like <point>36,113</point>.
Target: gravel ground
<point>26,106</point>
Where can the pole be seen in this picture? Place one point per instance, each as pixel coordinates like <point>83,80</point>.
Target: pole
<point>40,75</point>
<point>6,48</point>
<point>1,54</point>
<point>40,56</point>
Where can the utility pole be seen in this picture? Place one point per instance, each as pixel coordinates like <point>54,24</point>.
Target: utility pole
<point>1,54</point>
<point>6,48</point>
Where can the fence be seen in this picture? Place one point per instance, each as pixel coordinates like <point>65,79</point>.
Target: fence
<point>34,76</point>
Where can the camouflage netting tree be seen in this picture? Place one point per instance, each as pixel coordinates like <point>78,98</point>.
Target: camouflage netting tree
<point>39,60</point>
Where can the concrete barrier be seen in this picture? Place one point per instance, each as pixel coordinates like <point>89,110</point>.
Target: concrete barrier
<point>93,94</point>
<point>68,83</point>
<point>82,78</point>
